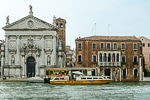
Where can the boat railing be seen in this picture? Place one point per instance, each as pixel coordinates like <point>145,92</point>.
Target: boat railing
<point>93,77</point>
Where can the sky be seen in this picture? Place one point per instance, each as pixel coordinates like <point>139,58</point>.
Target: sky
<point>84,17</point>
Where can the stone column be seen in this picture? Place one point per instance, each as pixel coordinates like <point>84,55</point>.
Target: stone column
<point>54,50</point>
<point>25,67</point>
<point>2,59</point>
<point>111,73</point>
<point>140,68</point>
<point>42,51</point>
<point>6,51</point>
<point>18,51</point>
<point>37,65</point>
<point>22,64</point>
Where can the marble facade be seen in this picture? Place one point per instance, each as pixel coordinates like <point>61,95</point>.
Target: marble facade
<point>30,46</point>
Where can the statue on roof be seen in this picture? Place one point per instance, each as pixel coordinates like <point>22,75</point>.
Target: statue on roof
<point>30,8</point>
<point>7,20</point>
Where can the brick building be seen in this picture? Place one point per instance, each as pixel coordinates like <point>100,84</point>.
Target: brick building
<point>146,51</point>
<point>116,56</point>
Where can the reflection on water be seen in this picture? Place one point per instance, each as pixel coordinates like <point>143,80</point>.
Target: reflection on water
<point>41,91</point>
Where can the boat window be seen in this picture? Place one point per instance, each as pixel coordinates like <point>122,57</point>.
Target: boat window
<point>83,78</point>
<point>56,79</point>
<point>95,78</point>
<point>62,78</point>
<point>100,78</point>
<point>89,77</point>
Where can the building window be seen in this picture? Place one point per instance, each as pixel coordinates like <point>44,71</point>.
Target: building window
<point>135,73</point>
<point>109,57</point>
<point>135,47</point>
<point>135,59</point>
<point>0,63</point>
<point>61,25</point>
<point>123,46</point>
<point>115,46</point>
<point>148,44</point>
<point>143,44</point>
<point>108,46</point>
<point>123,59</point>
<point>93,58</point>
<point>79,58</point>
<point>94,46</point>
<point>105,57</point>
<point>100,57</point>
<point>117,57</point>
<point>79,46</point>
<point>102,46</point>
<point>124,73</point>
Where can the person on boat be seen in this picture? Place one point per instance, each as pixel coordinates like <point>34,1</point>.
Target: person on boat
<point>74,76</point>
<point>60,74</point>
<point>70,76</point>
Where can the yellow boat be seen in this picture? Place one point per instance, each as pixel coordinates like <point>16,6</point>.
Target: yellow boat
<point>80,80</point>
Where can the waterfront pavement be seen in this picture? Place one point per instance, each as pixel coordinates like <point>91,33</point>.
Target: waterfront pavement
<point>13,80</point>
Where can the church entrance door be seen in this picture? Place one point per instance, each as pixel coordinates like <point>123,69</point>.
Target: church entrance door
<point>30,67</point>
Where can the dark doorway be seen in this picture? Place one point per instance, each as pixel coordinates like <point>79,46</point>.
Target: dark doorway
<point>93,72</point>
<point>135,73</point>
<point>30,67</point>
<point>107,72</point>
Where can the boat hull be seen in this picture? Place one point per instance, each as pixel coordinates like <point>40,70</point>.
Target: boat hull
<point>80,82</point>
<point>35,80</point>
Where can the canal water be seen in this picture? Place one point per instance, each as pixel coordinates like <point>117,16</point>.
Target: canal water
<point>41,91</point>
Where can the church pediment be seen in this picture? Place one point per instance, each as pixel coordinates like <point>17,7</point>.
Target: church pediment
<point>29,23</point>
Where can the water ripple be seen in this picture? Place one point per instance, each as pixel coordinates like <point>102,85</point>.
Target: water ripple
<point>40,91</point>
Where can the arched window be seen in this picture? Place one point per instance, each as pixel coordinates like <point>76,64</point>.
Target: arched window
<point>100,57</point>
<point>105,57</point>
<point>109,57</point>
<point>117,57</point>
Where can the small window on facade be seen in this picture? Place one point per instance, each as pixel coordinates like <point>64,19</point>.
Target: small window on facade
<point>148,44</point>
<point>61,25</point>
<point>124,73</point>
<point>135,59</point>
<point>102,46</point>
<point>143,44</point>
<point>56,24</point>
<point>108,46</point>
<point>123,46</point>
<point>123,59</point>
<point>135,46</point>
<point>115,46</point>
<point>79,46</point>
<point>79,58</point>
<point>94,46</point>
<point>93,58</point>
<point>100,57</point>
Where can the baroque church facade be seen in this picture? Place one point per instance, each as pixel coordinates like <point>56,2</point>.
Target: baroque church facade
<point>31,45</point>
